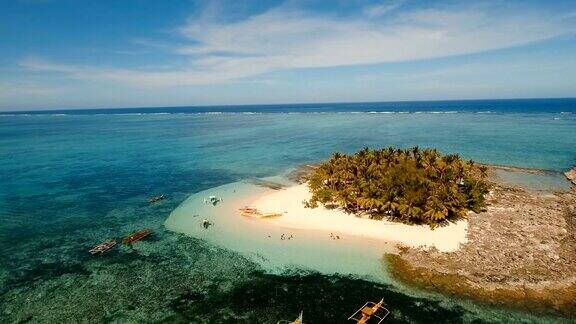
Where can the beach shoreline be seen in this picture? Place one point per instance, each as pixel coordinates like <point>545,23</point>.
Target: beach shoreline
<point>288,202</point>
<point>276,248</point>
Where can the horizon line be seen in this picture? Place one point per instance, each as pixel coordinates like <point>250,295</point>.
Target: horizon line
<point>35,110</point>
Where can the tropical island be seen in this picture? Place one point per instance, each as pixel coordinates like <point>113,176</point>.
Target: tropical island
<point>411,186</point>
<point>508,245</point>
<point>431,221</point>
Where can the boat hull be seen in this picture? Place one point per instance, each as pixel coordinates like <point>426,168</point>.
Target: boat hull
<point>136,236</point>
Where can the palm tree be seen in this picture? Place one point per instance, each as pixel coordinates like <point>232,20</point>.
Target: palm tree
<point>410,185</point>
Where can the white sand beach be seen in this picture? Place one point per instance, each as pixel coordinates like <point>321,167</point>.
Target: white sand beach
<point>289,202</point>
<point>358,252</point>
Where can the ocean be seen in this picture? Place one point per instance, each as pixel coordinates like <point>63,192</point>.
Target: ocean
<point>70,179</point>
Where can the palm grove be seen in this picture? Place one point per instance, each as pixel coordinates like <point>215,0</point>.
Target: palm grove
<point>411,186</point>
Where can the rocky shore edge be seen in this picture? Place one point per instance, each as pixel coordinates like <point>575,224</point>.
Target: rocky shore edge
<point>571,175</point>
<point>521,253</point>
<point>552,298</point>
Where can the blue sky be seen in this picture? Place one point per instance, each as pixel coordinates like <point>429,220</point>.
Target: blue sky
<point>137,53</point>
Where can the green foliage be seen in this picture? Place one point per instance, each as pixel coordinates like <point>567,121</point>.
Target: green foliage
<point>411,186</point>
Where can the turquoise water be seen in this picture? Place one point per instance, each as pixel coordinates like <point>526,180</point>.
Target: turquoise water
<point>549,181</point>
<point>69,181</point>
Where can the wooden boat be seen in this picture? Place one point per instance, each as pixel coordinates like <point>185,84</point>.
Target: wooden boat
<point>248,210</point>
<point>137,236</point>
<point>296,321</point>
<point>156,199</point>
<point>370,313</point>
<point>103,247</point>
<point>299,320</point>
<point>253,212</point>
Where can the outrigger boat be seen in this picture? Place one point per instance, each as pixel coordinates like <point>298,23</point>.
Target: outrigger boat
<point>136,236</point>
<point>253,212</point>
<point>248,210</point>
<point>206,223</point>
<point>296,321</point>
<point>103,247</point>
<point>156,199</point>
<point>212,200</point>
<point>370,313</point>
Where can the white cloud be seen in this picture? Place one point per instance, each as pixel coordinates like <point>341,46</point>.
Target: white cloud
<point>131,76</point>
<point>285,38</point>
<point>383,8</point>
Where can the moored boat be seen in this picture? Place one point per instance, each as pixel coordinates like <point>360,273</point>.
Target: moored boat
<point>103,247</point>
<point>248,210</point>
<point>137,236</point>
<point>255,213</point>
<point>156,199</point>
<point>212,200</point>
<point>299,320</point>
<point>370,313</point>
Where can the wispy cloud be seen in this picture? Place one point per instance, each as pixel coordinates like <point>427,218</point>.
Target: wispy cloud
<point>383,8</point>
<point>132,77</point>
<point>286,38</point>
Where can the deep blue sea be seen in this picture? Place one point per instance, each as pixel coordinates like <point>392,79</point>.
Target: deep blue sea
<point>71,178</point>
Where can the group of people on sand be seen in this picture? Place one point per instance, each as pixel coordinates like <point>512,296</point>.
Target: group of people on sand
<point>334,237</point>
<point>284,237</point>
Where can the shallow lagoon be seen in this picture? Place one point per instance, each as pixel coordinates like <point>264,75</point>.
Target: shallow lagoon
<point>547,181</point>
<point>69,182</point>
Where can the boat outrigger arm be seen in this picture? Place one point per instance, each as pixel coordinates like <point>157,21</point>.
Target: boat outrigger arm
<point>369,311</point>
<point>299,320</point>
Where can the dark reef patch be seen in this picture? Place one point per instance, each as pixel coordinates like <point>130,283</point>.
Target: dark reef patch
<point>180,279</point>
<point>324,299</point>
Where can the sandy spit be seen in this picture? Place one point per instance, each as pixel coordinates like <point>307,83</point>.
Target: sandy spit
<point>289,202</point>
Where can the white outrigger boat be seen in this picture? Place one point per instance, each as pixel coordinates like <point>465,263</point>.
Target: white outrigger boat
<point>103,247</point>
<point>213,200</point>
